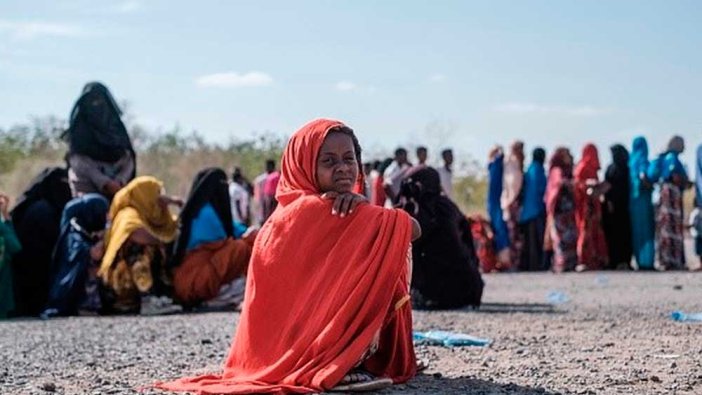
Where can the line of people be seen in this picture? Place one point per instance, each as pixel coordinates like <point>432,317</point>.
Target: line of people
<point>569,219</point>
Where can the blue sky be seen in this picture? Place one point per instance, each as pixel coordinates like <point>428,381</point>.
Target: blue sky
<point>448,73</point>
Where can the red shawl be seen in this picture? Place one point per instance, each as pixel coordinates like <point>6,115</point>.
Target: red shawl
<point>319,289</point>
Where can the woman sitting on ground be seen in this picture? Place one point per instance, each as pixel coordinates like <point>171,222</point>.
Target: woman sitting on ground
<point>76,257</point>
<point>133,271</point>
<point>327,297</point>
<point>207,259</point>
<point>444,265</point>
<point>36,218</point>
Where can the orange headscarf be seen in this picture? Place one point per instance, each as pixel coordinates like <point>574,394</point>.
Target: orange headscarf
<point>589,164</point>
<point>319,289</point>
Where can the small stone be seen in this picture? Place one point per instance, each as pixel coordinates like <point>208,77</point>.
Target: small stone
<point>677,287</point>
<point>437,375</point>
<point>655,379</point>
<point>205,341</point>
<point>49,387</point>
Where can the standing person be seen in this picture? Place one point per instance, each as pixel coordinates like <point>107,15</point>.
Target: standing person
<point>616,220</point>
<point>697,215</point>
<point>367,170</point>
<point>329,310</point>
<point>446,173</point>
<point>562,230</point>
<point>269,200</point>
<point>37,220</point>
<point>100,154</point>
<point>497,221</point>
<point>9,246</point>
<point>395,173</point>
<point>239,197</point>
<point>670,216</point>
<point>643,226</point>
<point>533,216</point>
<point>592,246</point>
<point>445,266</point>
<point>511,200</point>
<point>379,197</point>
<point>422,156</point>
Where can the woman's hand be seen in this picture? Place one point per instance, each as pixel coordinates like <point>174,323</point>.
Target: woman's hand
<point>416,229</point>
<point>4,207</point>
<point>344,203</point>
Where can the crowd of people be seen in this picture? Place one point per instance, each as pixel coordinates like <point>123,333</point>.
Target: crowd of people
<point>330,251</point>
<point>570,219</point>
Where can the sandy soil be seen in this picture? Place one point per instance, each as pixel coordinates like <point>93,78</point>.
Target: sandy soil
<point>614,335</point>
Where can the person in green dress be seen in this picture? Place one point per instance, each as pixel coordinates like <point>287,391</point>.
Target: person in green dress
<point>9,245</point>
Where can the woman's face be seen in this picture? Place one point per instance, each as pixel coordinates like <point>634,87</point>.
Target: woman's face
<point>337,168</point>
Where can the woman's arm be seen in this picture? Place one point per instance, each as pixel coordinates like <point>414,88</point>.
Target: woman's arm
<point>416,229</point>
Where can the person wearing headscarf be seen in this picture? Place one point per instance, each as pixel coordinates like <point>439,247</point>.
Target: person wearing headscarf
<point>673,178</point>
<point>206,257</point>
<point>592,246</point>
<point>494,208</point>
<point>561,239</point>
<point>643,234</point>
<point>327,303</point>
<point>100,155</point>
<point>511,200</point>
<point>697,215</point>
<point>36,218</point>
<point>74,283</point>
<point>616,220</point>
<point>533,215</point>
<point>9,246</point>
<point>132,269</point>
<point>445,266</point>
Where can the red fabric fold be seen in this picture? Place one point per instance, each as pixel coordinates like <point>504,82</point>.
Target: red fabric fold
<point>319,288</point>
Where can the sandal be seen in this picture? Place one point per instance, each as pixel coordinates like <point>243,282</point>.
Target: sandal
<point>422,365</point>
<point>360,381</point>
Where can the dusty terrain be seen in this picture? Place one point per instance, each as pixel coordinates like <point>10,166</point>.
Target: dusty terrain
<point>614,335</point>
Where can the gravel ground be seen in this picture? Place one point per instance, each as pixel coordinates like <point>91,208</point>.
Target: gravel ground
<point>614,335</point>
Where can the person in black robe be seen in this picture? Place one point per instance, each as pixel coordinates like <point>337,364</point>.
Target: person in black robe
<point>101,157</point>
<point>445,267</point>
<point>615,211</point>
<point>36,218</point>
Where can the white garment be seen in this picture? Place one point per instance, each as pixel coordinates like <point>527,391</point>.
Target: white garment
<point>239,197</point>
<point>394,175</point>
<point>446,177</point>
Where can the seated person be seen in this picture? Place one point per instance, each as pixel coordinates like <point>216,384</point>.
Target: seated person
<point>100,155</point>
<point>206,257</point>
<point>9,246</point>
<point>445,271</point>
<point>36,218</point>
<point>132,271</point>
<point>327,296</point>
<point>76,257</point>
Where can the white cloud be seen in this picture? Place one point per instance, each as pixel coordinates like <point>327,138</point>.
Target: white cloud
<point>437,78</point>
<point>126,7</point>
<point>533,108</point>
<point>345,86</point>
<point>30,30</point>
<point>234,80</point>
